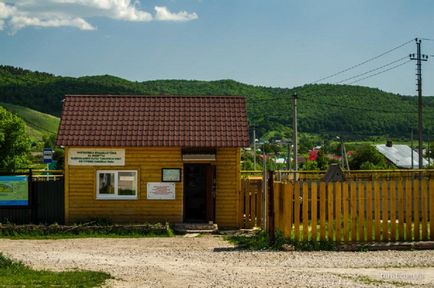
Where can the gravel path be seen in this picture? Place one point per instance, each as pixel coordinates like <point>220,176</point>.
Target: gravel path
<point>209,261</point>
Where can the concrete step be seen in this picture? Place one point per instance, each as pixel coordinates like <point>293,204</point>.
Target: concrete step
<point>195,228</point>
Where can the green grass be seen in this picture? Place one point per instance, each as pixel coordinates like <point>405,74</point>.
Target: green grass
<point>371,281</point>
<point>11,231</point>
<point>38,124</point>
<point>16,274</point>
<point>79,235</point>
<point>260,241</point>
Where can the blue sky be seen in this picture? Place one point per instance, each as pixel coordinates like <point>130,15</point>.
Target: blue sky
<point>269,43</point>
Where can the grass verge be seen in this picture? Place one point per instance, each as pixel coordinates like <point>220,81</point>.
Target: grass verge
<point>16,274</point>
<point>260,241</point>
<point>86,230</point>
<point>373,282</point>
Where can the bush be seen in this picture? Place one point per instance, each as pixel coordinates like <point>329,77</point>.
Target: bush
<point>367,157</point>
<point>261,241</point>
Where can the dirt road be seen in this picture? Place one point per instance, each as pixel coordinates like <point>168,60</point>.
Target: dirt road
<point>209,261</point>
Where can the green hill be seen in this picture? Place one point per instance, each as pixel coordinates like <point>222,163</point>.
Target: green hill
<point>355,112</point>
<point>38,124</point>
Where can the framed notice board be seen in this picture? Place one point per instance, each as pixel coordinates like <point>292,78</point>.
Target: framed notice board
<point>170,175</point>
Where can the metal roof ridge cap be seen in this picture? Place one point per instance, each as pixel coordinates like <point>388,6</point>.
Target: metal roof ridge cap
<point>157,96</point>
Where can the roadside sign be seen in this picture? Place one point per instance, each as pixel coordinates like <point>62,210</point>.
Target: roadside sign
<point>48,155</point>
<point>14,191</point>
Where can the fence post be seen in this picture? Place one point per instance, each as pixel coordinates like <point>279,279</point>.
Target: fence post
<point>271,235</point>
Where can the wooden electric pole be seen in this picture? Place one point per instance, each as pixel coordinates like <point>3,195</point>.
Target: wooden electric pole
<point>419,58</point>
<point>295,136</point>
<point>412,149</point>
<point>254,148</point>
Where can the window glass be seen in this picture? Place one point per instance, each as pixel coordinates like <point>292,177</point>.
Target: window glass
<point>106,183</point>
<point>127,183</point>
<point>116,184</point>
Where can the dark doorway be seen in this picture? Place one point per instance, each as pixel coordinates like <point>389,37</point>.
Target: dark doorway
<point>199,192</point>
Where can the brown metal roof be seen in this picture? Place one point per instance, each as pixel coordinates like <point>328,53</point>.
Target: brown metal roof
<point>149,121</point>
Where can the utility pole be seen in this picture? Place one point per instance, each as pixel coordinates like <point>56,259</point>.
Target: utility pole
<point>419,58</point>
<point>342,153</point>
<point>428,151</point>
<point>345,155</point>
<point>294,128</point>
<point>254,148</point>
<point>411,147</point>
<point>264,187</point>
<point>288,160</point>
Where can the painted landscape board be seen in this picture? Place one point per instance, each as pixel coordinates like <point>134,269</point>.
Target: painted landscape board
<point>14,191</point>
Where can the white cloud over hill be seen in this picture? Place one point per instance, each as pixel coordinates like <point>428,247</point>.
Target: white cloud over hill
<point>16,15</point>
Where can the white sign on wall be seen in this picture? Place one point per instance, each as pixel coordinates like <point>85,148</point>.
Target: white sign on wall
<point>161,191</point>
<point>95,157</point>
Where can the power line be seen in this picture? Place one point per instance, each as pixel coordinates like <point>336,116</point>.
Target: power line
<point>364,62</point>
<point>274,100</point>
<point>373,70</point>
<point>381,72</point>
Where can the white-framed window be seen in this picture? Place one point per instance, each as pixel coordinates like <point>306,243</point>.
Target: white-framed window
<point>112,184</point>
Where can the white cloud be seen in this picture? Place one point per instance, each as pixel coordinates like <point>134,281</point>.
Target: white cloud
<point>5,12</point>
<point>19,22</point>
<point>116,9</point>
<point>18,14</point>
<point>163,14</point>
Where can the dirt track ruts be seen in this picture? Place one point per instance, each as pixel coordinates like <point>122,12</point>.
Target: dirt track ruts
<point>209,261</point>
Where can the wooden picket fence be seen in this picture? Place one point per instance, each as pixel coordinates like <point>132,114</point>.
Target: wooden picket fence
<point>352,211</point>
<point>251,202</point>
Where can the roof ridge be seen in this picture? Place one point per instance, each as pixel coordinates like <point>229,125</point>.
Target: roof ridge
<point>155,96</point>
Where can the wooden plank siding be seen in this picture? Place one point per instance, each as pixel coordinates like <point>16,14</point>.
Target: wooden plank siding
<point>80,189</point>
<point>228,187</point>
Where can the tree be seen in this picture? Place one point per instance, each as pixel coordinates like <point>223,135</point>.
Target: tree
<point>367,157</point>
<point>306,142</point>
<point>49,141</point>
<point>59,157</point>
<point>429,153</point>
<point>310,166</point>
<point>322,160</point>
<point>14,142</point>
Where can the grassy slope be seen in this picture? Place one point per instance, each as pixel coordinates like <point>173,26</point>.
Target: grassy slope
<point>38,124</point>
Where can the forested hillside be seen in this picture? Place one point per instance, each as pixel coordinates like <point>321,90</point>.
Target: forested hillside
<point>354,111</point>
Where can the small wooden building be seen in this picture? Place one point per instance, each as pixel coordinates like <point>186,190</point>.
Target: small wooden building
<point>136,159</point>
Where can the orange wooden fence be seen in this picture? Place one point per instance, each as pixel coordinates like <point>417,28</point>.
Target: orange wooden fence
<point>251,203</point>
<point>353,211</point>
